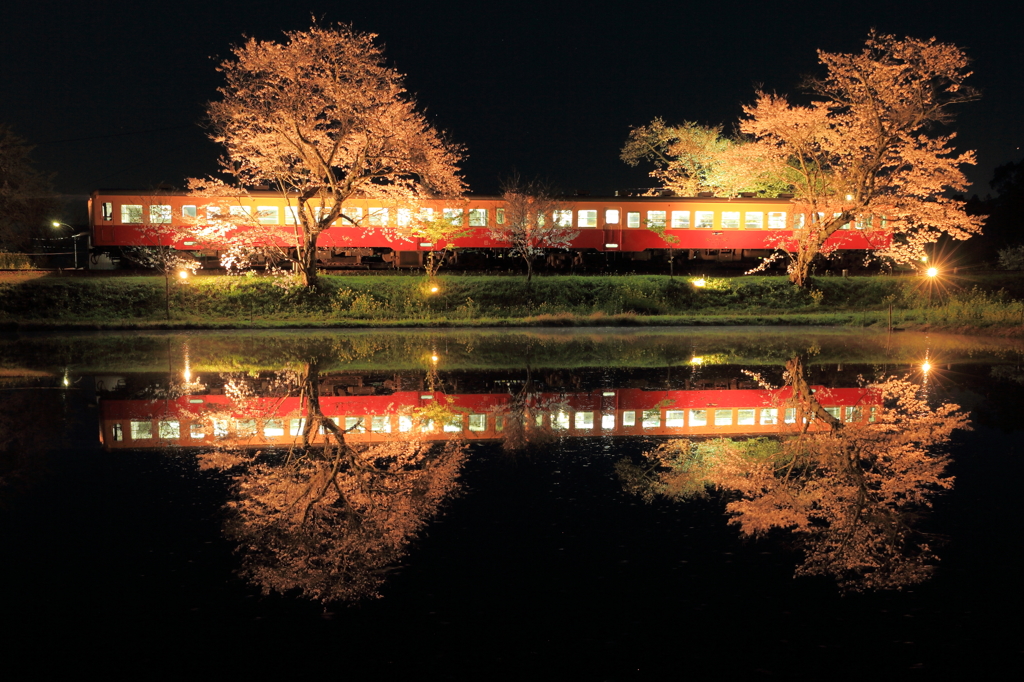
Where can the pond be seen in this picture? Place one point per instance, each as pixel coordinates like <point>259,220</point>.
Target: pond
<point>599,504</point>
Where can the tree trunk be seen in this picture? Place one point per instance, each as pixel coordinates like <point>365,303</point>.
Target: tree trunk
<point>307,261</point>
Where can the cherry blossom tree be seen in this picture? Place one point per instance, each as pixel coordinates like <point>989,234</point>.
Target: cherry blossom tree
<point>534,221</point>
<point>322,119</point>
<point>27,200</point>
<point>868,148</point>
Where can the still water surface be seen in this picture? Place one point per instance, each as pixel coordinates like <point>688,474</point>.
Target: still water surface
<point>512,505</point>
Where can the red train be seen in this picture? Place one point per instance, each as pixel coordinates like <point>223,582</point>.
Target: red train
<point>705,228</point>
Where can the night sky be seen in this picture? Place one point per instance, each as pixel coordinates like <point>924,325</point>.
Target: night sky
<point>113,93</point>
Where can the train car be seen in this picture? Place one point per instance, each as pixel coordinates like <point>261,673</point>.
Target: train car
<point>373,234</point>
<point>202,420</point>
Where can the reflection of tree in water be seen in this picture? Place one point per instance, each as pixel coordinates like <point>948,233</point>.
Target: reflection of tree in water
<point>328,517</point>
<point>522,417</point>
<point>852,492</point>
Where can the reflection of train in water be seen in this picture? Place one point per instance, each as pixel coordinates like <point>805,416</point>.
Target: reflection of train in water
<point>372,235</point>
<point>202,420</point>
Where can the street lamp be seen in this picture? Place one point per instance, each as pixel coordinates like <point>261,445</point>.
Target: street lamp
<point>74,238</point>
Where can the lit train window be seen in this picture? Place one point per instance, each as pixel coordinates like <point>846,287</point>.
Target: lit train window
<point>611,216</point>
<point>268,215</point>
<point>853,414</point>
<point>871,418</point>
<point>863,222</point>
<point>118,433</point>
<point>745,417</point>
<point>587,219</point>
<point>499,423</point>
<point>296,427</point>
<point>159,214</point>
<point>704,219</point>
<point>273,428</point>
<point>652,419</point>
<point>790,415</point>
<point>674,418</point>
<point>196,431</point>
<point>107,210</point>
<point>560,420</point>
<point>499,216</point>
<point>585,420</point>
<point>723,417</point>
<point>633,219</point>
<point>698,417</point>
<point>681,220</point>
<point>608,421</point>
<point>404,423</point>
<point>753,221</point>
<point>170,429</point>
<point>220,428</point>
<point>656,219</point>
<point>562,218</point>
<point>798,221</point>
<point>353,214</point>
<point>427,426</point>
<point>379,423</point>
<point>378,216</point>
<point>629,418</point>
<point>131,213</point>
<point>404,217</point>
<point>354,424</point>
<point>291,215</point>
<point>478,422</point>
<point>478,217</point>
<point>769,416</point>
<point>731,220</point>
<point>776,220</point>
<point>453,215</point>
<point>454,425</point>
<point>245,427</point>
<point>213,213</point>
<point>189,212</point>
<point>141,430</point>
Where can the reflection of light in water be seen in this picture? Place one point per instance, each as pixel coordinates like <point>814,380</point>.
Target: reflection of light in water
<point>696,360</point>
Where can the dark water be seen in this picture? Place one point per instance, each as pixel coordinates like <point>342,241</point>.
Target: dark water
<point>541,566</point>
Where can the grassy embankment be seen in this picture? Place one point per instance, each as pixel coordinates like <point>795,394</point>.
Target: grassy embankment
<point>989,304</point>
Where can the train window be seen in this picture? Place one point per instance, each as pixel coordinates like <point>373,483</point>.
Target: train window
<point>698,417</point>
<point>404,217</point>
<point>770,416</point>
<point>291,215</point>
<point>705,219</point>
<point>611,216</point>
<point>169,429</point>
<point>426,425</point>
<point>131,213</point>
<point>853,414</point>
<point>629,418</point>
<point>378,216</point>
<point>584,420</point>
<point>404,423</point>
<point>478,422</point>
<point>118,433</point>
<point>107,210</point>
<point>790,415</point>
<point>776,220</point>
<point>245,428</point>
<point>632,218</point>
<point>141,430</point>
<point>723,417</point>
<point>871,417</point>
<point>753,221</point>
<point>745,417</point>
<point>273,428</point>
<point>607,421</point>
<point>352,214</point>
<point>268,215</point>
<point>562,217</point>
<point>296,427</point>
<point>159,214</point>
<point>478,217</point>
<point>189,212</point>
<point>454,424</point>
<point>196,430</point>
<point>560,420</point>
<point>731,220</point>
<point>798,221</point>
<point>656,219</point>
<point>453,215</point>
<point>379,423</point>
<point>834,411</point>
<point>681,220</point>
<point>220,428</point>
<point>499,216</point>
<point>241,213</point>
<point>674,418</point>
<point>213,213</point>
<point>863,222</point>
<point>652,419</point>
<point>354,425</point>
<point>587,219</point>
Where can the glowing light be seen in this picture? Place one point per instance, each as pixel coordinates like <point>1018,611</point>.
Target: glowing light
<point>932,272</point>
<point>183,274</point>
<point>696,360</point>
<point>434,358</point>
<point>926,366</point>
<point>55,223</point>
<point>699,282</point>
<point>187,374</point>
<point>849,197</point>
<point>67,382</point>
<point>434,289</point>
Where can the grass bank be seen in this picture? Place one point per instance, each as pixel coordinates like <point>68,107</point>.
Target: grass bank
<point>988,304</point>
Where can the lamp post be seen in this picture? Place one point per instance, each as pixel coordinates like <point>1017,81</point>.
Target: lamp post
<point>74,238</point>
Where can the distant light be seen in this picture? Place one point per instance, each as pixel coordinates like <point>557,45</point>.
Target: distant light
<point>426,244</point>
<point>183,274</point>
<point>926,366</point>
<point>932,272</point>
<point>434,358</point>
<point>924,259</point>
<point>67,382</point>
<point>699,282</point>
<point>434,289</point>
<point>55,223</point>
<point>696,360</point>
<point>849,197</point>
<point>187,374</point>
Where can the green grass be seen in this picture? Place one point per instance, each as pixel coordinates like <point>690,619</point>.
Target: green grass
<point>633,300</point>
